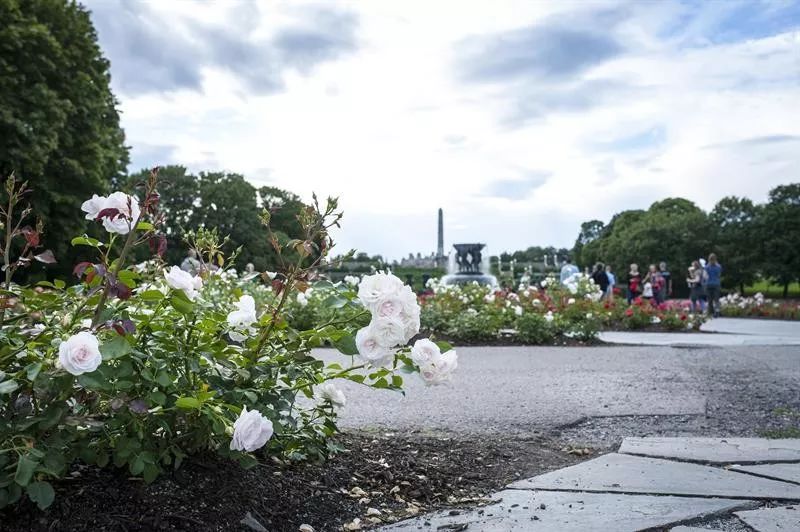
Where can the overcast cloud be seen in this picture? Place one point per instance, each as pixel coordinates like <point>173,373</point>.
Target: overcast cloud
<point>520,119</point>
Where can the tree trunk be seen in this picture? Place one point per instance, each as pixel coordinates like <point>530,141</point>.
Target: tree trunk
<point>785,290</point>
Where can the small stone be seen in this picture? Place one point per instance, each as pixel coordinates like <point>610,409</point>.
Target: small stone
<point>355,524</point>
<point>306,528</point>
<point>373,512</point>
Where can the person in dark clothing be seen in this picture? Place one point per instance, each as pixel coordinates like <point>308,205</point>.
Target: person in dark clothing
<point>666,286</point>
<point>713,285</point>
<point>600,278</point>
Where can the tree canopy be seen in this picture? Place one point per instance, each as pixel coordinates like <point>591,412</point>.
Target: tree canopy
<point>59,126</point>
<point>225,201</point>
<point>751,240</point>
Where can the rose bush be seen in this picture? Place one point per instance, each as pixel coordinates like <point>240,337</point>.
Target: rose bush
<point>736,306</point>
<point>545,314</point>
<point>140,366</point>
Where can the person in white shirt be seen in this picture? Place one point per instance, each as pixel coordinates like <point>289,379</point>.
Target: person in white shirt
<point>568,270</point>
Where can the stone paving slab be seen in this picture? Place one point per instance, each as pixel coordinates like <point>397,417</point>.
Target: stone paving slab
<point>621,473</point>
<point>677,339</point>
<point>782,519</point>
<point>786,472</point>
<point>689,529</point>
<point>551,511</point>
<point>715,450</point>
<point>756,327</point>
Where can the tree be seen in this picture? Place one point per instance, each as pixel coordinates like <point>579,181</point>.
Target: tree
<point>228,203</point>
<point>737,239</point>
<point>59,126</point>
<point>590,231</point>
<point>780,220</point>
<point>674,230</point>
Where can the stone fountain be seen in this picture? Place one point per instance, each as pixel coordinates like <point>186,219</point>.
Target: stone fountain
<point>467,265</point>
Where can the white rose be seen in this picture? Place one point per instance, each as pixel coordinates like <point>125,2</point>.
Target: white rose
<point>352,280</point>
<point>92,207</point>
<point>302,299</point>
<point>328,391</point>
<point>80,353</point>
<point>424,351</point>
<point>128,207</point>
<point>518,310</point>
<point>373,288</point>
<point>242,319</point>
<point>181,280</point>
<point>390,332</point>
<point>571,301</point>
<point>251,431</point>
<point>370,348</point>
<point>440,369</point>
<point>549,316</point>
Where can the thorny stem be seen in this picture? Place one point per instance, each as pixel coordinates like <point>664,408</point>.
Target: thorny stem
<point>7,251</point>
<point>112,274</point>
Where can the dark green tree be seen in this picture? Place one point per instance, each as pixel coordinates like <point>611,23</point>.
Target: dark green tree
<point>590,231</point>
<point>674,230</point>
<point>59,126</point>
<point>737,239</point>
<point>780,223</point>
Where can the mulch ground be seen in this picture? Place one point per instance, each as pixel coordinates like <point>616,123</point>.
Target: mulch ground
<point>380,478</point>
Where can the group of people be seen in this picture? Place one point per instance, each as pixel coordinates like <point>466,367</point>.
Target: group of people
<point>703,278</point>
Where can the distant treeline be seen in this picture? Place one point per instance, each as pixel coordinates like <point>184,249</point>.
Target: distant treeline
<point>752,241</point>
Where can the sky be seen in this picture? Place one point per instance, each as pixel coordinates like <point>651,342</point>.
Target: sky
<point>521,119</point>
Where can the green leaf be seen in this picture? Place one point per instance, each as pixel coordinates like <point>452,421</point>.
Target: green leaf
<point>335,301</point>
<point>25,468</point>
<point>158,398</point>
<point>181,304</point>
<point>151,472</point>
<point>42,494</point>
<point>151,295</point>
<point>188,403</point>
<point>102,459</point>
<point>86,241</point>
<point>163,379</point>
<point>397,381</point>
<point>32,370</point>
<point>93,380</point>
<point>136,465</point>
<point>144,226</point>
<point>118,347</point>
<point>444,346</point>
<point>347,345</point>
<point>8,386</point>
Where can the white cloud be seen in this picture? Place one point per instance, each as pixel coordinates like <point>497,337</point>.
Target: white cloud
<point>387,120</point>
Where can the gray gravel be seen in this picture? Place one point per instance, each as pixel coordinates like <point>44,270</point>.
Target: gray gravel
<point>594,395</point>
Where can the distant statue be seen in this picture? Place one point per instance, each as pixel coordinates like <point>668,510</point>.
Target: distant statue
<point>190,263</point>
<point>468,257</point>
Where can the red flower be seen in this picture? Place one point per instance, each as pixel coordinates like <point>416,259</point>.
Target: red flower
<point>629,312</point>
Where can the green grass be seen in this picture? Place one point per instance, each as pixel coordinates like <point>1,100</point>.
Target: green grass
<point>772,290</point>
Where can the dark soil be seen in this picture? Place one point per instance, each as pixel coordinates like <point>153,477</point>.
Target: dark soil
<point>398,475</point>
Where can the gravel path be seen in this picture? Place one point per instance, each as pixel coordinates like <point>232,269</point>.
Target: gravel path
<point>596,395</point>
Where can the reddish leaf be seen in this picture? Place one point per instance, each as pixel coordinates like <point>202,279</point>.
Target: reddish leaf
<point>46,256</point>
<point>108,213</point>
<point>80,268</point>
<point>31,236</point>
<point>277,285</point>
<point>158,244</point>
<point>120,290</point>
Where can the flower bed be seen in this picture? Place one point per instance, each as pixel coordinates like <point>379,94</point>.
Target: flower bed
<point>141,367</point>
<point>757,306</point>
<point>546,314</point>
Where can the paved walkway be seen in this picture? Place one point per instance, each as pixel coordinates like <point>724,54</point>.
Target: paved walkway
<point>728,332</point>
<point>650,482</point>
<point>521,390</point>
